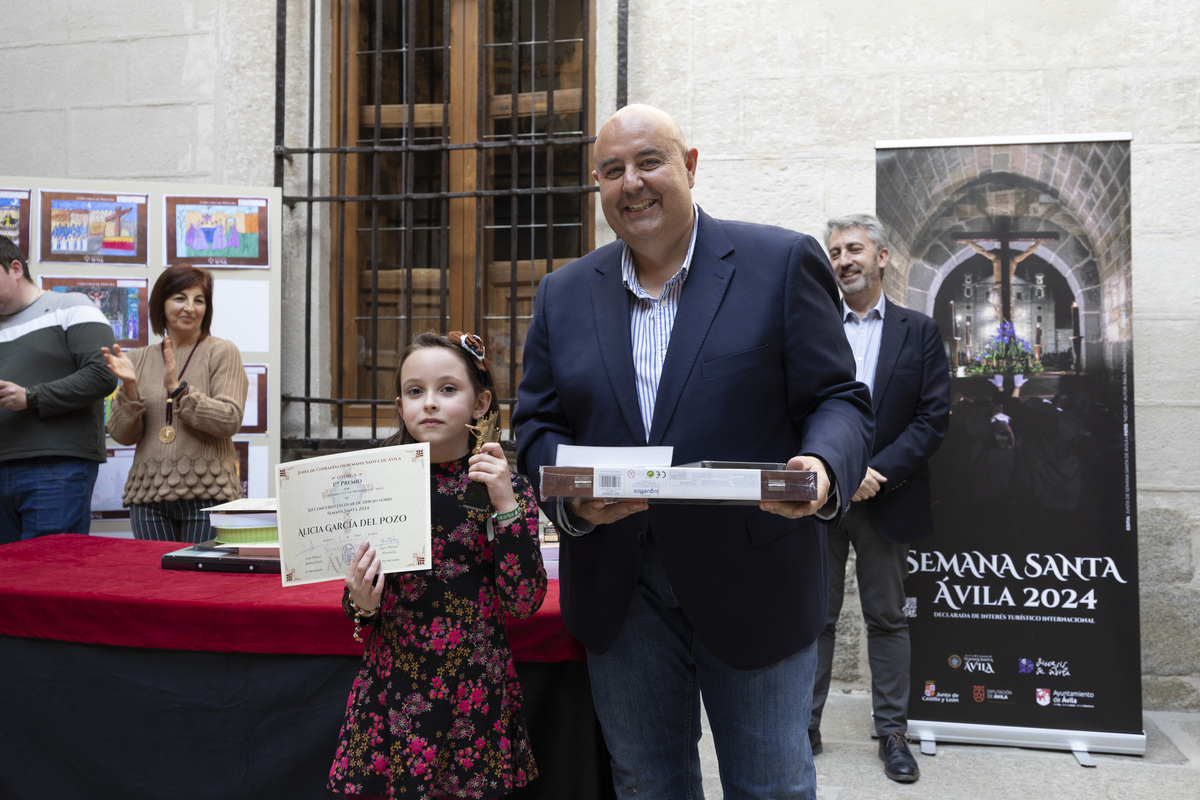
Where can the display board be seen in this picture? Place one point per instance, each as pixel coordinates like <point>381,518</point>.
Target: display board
<point>111,239</point>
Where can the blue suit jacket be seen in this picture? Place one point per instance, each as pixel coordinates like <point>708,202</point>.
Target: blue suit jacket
<point>911,401</point>
<point>758,369</point>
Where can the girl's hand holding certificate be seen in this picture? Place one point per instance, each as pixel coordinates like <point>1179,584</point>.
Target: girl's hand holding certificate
<point>365,591</point>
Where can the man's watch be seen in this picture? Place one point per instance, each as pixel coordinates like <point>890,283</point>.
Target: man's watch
<point>31,398</point>
<point>179,390</point>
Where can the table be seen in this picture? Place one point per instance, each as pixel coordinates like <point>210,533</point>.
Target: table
<point>123,679</point>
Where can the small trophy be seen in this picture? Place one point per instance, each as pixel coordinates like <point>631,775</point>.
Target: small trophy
<point>488,430</point>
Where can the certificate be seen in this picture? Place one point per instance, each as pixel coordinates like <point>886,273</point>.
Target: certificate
<point>328,505</point>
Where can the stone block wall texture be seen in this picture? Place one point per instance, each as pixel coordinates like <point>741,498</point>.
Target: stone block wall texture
<point>785,100</point>
<point>181,90</point>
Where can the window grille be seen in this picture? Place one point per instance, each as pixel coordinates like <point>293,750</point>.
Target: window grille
<point>454,174</point>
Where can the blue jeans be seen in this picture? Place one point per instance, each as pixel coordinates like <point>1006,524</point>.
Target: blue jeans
<point>50,494</point>
<point>647,690</point>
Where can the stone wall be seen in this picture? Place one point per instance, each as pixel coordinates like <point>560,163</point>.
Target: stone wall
<point>173,91</point>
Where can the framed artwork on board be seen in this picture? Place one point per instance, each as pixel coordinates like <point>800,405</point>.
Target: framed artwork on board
<point>121,300</point>
<point>216,232</point>
<point>92,228</point>
<point>14,217</point>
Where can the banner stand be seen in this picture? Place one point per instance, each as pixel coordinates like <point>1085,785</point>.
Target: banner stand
<point>1022,604</point>
<point>930,733</point>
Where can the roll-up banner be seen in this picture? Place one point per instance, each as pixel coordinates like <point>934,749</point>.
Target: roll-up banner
<point>1023,604</point>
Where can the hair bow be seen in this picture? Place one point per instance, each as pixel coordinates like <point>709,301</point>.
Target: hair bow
<point>471,343</point>
<point>474,346</point>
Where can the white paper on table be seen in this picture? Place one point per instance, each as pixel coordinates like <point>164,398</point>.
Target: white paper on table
<point>328,505</point>
<point>247,505</point>
<point>573,455</point>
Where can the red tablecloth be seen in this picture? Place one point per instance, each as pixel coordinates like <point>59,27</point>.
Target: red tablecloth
<point>98,590</point>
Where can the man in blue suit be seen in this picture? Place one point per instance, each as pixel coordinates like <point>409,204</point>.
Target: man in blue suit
<point>899,355</point>
<point>721,339</point>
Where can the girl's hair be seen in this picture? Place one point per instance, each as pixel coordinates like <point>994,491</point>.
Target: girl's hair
<point>176,279</point>
<point>475,365</point>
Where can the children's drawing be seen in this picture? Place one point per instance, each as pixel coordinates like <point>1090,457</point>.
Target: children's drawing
<point>14,217</point>
<point>10,218</point>
<point>93,228</point>
<point>121,301</point>
<point>106,229</point>
<point>216,232</point>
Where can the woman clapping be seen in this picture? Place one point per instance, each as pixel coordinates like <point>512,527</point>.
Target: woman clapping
<point>180,401</point>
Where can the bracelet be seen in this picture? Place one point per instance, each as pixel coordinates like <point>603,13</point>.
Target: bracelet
<point>179,391</point>
<point>363,612</point>
<point>507,515</point>
<point>360,616</point>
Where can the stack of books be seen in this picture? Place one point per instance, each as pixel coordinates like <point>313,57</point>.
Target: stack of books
<point>246,527</point>
<point>246,540</point>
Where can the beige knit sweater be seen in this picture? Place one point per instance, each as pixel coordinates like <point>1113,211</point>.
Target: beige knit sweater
<point>200,463</point>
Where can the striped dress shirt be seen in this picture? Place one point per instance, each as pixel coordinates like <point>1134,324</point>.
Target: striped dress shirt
<point>650,322</point>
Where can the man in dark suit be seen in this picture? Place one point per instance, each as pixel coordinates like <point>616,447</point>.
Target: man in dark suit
<point>721,339</point>
<point>899,355</point>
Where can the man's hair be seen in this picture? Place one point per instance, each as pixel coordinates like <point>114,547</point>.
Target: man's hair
<point>865,221</point>
<point>9,252</point>
<point>176,279</point>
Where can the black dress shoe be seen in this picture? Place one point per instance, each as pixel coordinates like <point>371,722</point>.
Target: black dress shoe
<point>814,741</point>
<point>898,761</point>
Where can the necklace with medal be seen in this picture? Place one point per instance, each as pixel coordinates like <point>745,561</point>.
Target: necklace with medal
<point>166,434</point>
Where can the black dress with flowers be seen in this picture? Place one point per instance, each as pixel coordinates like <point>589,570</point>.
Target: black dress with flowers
<point>436,706</point>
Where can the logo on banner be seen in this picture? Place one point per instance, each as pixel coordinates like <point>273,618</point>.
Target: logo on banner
<point>1057,668</point>
<point>1043,697</point>
<point>979,664</point>
<point>978,693</point>
<point>1067,698</point>
<point>1025,665</point>
<point>973,663</point>
<point>932,695</point>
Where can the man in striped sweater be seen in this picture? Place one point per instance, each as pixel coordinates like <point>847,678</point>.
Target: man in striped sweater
<point>53,382</point>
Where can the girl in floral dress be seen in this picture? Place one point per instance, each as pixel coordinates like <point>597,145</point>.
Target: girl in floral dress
<point>435,710</point>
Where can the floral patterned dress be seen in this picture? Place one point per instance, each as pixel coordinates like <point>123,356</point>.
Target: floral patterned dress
<point>436,706</point>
